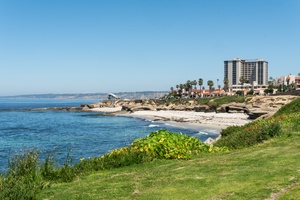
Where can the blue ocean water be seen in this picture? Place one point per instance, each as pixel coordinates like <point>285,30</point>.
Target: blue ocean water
<point>84,134</point>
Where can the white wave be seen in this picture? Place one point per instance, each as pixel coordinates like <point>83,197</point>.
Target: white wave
<point>213,131</point>
<point>202,133</point>
<point>153,125</point>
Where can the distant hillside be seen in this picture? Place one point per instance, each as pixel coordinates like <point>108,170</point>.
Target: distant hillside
<point>101,96</point>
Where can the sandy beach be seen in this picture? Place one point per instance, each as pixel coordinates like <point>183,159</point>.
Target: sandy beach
<point>186,119</point>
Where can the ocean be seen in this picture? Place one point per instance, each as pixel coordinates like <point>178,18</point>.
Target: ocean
<point>25,124</point>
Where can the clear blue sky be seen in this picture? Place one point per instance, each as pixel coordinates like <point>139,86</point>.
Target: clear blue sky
<point>79,46</point>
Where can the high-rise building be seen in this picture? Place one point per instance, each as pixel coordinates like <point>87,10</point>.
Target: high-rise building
<point>241,73</point>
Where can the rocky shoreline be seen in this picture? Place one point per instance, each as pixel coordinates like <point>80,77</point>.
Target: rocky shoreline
<point>256,107</point>
<point>190,113</point>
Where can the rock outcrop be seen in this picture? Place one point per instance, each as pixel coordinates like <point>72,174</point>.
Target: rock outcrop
<point>256,106</point>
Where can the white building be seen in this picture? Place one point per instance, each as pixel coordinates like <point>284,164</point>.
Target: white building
<point>253,72</point>
<point>286,80</point>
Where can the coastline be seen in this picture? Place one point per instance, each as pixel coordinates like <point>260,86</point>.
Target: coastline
<point>184,119</point>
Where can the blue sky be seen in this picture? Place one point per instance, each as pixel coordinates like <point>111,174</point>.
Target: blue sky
<point>77,46</point>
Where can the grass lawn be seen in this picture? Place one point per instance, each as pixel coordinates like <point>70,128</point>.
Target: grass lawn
<point>267,171</point>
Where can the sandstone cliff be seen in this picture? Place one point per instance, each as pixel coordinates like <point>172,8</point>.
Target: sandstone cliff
<point>255,107</point>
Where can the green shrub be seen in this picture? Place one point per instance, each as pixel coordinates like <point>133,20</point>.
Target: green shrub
<point>203,101</point>
<point>123,157</point>
<point>236,137</point>
<point>160,144</point>
<point>251,92</point>
<point>22,180</point>
<point>48,169</point>
<point>230,130</point>
<point>238,140</point>
<point>295,122</point>
<point>239,92</point>
<point>229,99</point>
<point>289,122</point>
<point>171,145</point>
<point>293,107</point>
<point>65,173</point>
<point>212,104</point>
<point>286,120</point>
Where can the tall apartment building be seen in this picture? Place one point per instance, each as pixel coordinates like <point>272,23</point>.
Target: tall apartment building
<point>254,73</point>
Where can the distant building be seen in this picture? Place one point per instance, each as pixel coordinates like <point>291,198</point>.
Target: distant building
<point>254,73</point>
<point>297,83</point>
<point>288,80</point>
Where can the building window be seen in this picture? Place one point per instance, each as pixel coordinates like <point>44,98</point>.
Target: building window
<point>234,73</point>
<point>226,69</point>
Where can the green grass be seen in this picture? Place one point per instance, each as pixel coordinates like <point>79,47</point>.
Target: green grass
<point>217,101</point>
<point>293,107</point>
<point>252,173</point>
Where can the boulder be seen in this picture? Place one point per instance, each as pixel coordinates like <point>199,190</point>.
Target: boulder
<point>234,108</point>
<point>136,108</point>
<point>201,108</point>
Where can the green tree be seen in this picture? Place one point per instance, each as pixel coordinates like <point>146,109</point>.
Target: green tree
<point>226,82</point>
<point>200,83</point>
<point>288,78</point>
<point>239,92</point>
<point>188,86</point>
<point>242,80</point>
<point>181,86</point>
<point>269,91</point>
<point>195,84</point>
<point>271,80</point>
<point>210,84</point>
<point>172,89</point>
<point>250,92</point>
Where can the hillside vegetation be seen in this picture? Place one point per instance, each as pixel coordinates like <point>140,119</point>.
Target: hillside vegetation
<point>263,162</point>
<point>285,121</point>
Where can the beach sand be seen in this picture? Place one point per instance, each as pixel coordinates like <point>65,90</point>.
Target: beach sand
<point>186,119</point>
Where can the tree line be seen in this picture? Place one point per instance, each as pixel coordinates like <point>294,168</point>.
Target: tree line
<point>190,85</point>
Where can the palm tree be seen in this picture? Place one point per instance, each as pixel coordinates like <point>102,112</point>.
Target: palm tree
<point>242,80</point>
<point>279,84</point>
<point>177,86</point>
<point>200,83</point>
<point>172,89</point>
<point>288,78</point>
<point>195,84</point>
<point>181,86</point>
<point>188,86</point>
<point>226,82</point>
<point>185,87</point>
<point>203,91</point>
<point>210,84</point>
